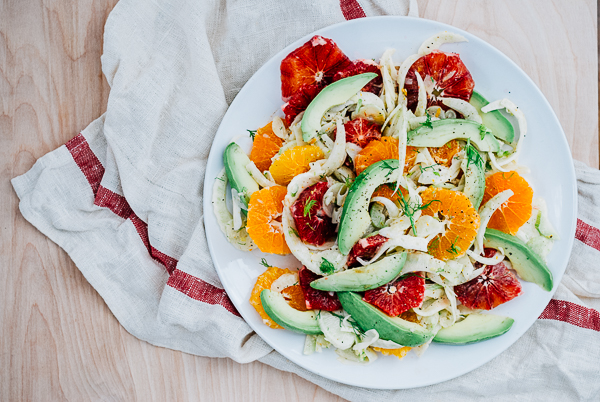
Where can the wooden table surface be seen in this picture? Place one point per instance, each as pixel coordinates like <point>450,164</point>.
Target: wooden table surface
<point>58,339</point>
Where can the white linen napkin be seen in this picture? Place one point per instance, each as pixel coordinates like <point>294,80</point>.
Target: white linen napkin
<point>124,199</point>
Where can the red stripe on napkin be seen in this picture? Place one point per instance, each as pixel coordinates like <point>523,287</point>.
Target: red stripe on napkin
<point>200,290</point>
<point>352,9</point>
<point>587,234</point>
<point>572,313</point>
<point>92,169</point>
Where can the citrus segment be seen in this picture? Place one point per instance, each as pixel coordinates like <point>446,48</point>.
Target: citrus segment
<point>264,220</point>
<point>455,210</point>
<point>399,353</point>
<point>293,162</point>
<point>411,158</point>
<point>399,296</point>
<point>360,67</point>
<point>263,282</point>
<point>300,101</point>
<point>315,62</point>
<point>444,154</point>
<point>312,223</point>
<point>295,297</point>
<point>444,74</point>
<point>317,299</point>
<point>517,210</point>
<point>495,286</point>
<point>360,132</point>
<point>266,145</point>
<point>375,151</point>
<point>365,249</point>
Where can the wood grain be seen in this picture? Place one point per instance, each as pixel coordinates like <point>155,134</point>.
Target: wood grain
<point>58,339</point>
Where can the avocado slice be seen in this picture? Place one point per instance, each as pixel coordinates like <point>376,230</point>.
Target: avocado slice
<point>332,95</point>
<point>529,266</point>
<point>235,160</point>
<point>493,120</point>
<point>355,219</point>
<point>288,317</point>
<point>475,328</point>
<point>393,329</point>
<point>453,129</point>
<point>363,278</point>
<point>474,176</point>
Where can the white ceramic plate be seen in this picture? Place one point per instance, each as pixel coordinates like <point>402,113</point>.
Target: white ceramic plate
<point>552,177</point>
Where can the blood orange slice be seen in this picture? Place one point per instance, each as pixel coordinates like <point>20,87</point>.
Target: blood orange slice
<point>495,286</point>
<point>264,220</point>
<point>317,299</point>
<point>315,62</point>
<point>366,249</point>
<point>360,132</point>
<point>263,282</point>
<point>312,223</point>
<point>300,101</point>
<point>444,74</point>
<point>454,209</point>
<point>517,210</point>
<point>396,297</point>
<point>266,145</point>
<point>359,67</point>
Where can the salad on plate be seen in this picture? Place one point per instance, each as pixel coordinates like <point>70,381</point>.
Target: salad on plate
<point>398,189</point>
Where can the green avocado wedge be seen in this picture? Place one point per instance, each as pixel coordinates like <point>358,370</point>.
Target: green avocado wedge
<point>494,120</point>
<point>394,329</point>
<point>355,219</point>
<point>363,278</point>
<point>288,317</point>
<point>332,95</point>
<point>474,176</point>
<point>528,265</point>
<point>475,328</point>
<point>443,131</point>
<point>235,160</point>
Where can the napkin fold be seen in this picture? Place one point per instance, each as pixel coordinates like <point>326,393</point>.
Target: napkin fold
<point>124,199</point>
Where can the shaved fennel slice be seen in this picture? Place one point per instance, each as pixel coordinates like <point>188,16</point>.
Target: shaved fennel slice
<point>519,115</point>
<point>390,96</point>
<point>421,262</point>
<point>497,258</point>
<point>332,327</point>
<point>422,102</point>
<point>239,239</point>
<point>279,128</point>
<point>438,40</point>
<point>486,213</point>
<point>415,122</point>
<point>434,307</point>
<point>427,225</point>
<point>463,107</point>
<point>453,308</point>
<point>371,336</point>
<point>542,223</point>
<point>386,60</point>
<point>404,67</point>
<point>391,207</point>
<point>237,209</point>
<point>258,176</point>
<point>494,163</point>
<point>284,281</point>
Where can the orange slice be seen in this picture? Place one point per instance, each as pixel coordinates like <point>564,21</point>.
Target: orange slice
<point>517,210</point>
<point>263,282</point>
<point>295,297</point>
<point>388,192</point>
<point>411,158</point>
<point>264,220</point>
<point>375,151</point>
<point>293,162</point>
<point>461,220</point>
<point>399,353</point>
<point>444,154</point>
<point>266,145</point>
